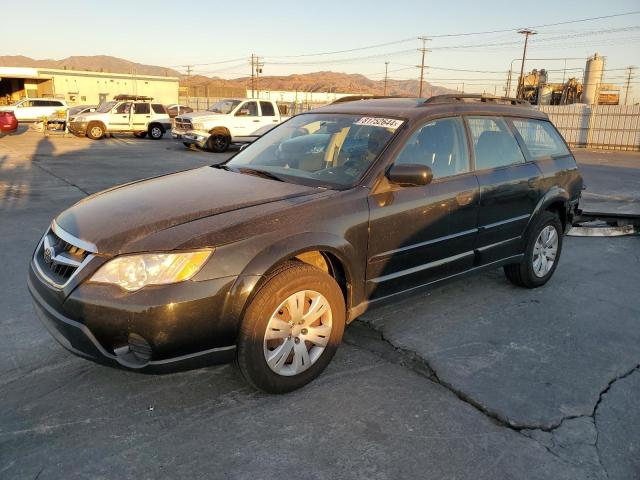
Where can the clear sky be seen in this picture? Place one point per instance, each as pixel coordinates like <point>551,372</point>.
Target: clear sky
<point>181,32</point>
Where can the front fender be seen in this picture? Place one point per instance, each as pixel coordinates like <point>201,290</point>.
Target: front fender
<point>249,280</point>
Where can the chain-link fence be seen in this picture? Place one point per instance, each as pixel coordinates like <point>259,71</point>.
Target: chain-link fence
<point>611,127</point>
<point>286,108</point>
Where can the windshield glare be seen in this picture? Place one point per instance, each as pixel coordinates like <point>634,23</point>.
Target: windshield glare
<point>327,149</point>
<point>224,106</point>
<point>106,107</point>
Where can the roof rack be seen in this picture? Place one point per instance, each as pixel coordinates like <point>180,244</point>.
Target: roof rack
<point>134,98</point>
<point>355,98</point>
<point>481,98</point>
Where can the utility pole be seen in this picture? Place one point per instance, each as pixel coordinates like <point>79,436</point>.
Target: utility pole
<point>507,90</point>
<point>629,77</point>
<point>526,32</point>
<point>386,70</point>
<point>258,72</point>
<point>253,86</point>
<point>421,66</point>
<point>188,83</point>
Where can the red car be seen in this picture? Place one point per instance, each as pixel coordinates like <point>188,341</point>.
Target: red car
<point>8,122</point>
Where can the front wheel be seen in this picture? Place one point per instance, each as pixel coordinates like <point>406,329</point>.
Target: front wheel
<point>291,329</point>
<point>95,131</point>
<point>542,253</point>
<point>218,143</point>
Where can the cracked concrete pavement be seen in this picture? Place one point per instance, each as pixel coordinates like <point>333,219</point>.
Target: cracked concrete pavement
<point>476,379</point>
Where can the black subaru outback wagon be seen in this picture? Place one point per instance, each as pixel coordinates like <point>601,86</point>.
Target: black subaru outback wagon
<point>266,257</point>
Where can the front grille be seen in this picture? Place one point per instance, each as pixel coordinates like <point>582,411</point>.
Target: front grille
<point>183,123</point>
<point>58,259</point>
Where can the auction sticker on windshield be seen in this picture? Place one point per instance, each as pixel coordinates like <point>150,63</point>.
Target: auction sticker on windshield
<point>391,123</point>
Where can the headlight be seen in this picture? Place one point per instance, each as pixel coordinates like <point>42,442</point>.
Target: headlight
<point>198,126</point>
<point>132,272</point>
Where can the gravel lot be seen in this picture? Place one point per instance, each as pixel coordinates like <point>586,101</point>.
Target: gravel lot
<point>476,379</point>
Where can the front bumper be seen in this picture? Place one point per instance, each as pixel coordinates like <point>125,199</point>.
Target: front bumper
<point>78,128</point>
<point>181,323</point>
<point>198,139</point>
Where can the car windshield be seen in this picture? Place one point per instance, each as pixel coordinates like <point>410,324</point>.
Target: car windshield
<point>224,106</point>
<point>320,149</point>
<point>106,106</point>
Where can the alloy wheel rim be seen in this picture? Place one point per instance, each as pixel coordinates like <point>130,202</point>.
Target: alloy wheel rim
<point>297,333</point>
<point>545,251</point>
<point>96,131</point>
<point>155,132</point>
<point>219,141</point>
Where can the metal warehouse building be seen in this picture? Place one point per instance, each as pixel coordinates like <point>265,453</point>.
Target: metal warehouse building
<point>81,87</point>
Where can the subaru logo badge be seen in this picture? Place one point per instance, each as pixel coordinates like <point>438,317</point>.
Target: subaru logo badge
<point>48,255</point>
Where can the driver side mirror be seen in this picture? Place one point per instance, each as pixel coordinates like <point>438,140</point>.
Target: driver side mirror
<point>410,174</point>
<point>243,112</point>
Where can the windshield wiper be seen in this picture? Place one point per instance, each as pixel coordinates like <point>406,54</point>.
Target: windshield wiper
<point>260,173</point>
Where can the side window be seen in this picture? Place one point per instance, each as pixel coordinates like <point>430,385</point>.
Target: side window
<point>249,109</point>
<point>267,109</point>
<point>158,108</point>
<point>39,103</point>
<point>541,138</point>
<point>26,103</point>
<point>493,143</point>
<point>142,109</point>
<point>441,145</point>
<point>56,103</point>
<point>123,108</point>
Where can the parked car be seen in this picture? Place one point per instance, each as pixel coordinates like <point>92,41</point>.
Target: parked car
<point>126,113</point>
<point>78,110</point>
<point>266,257</point>
<point>226,122</point>
<point>8,122</point>
<point>33,109</point>
<point>176,109</point>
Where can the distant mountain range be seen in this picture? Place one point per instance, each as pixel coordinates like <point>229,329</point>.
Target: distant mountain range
<point>324,81</point>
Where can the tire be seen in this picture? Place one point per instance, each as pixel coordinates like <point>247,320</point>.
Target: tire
<point>218,143</point>
<point>95,131</point>
<point>269,314</point>
<point>544,242</point>
<point>140,134</point>
<point>188,145</point>
<point>155,132</point>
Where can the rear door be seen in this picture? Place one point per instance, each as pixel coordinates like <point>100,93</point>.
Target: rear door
<point>268,114</point>
<point>421,234</point>
<point>509,187</point>
<point>141,116</point>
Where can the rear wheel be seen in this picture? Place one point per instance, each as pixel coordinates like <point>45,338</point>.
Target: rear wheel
<point>95,131</point>
<point>218,143</point>
<point>542,253</point>
<point>291,329</point>
<point>155,132</point>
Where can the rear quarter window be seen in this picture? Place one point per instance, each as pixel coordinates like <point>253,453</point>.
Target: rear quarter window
<point>541,138</point>
<point>158,108</point>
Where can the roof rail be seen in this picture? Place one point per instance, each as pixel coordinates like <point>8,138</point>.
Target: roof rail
<point>474,96</point>
<point>134,98</point>
<point>355,98</point>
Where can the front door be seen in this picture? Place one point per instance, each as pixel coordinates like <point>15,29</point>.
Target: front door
<point>246,120</point>
<point>120,118</point>
<point>509,187</point>
<point>424,233</point>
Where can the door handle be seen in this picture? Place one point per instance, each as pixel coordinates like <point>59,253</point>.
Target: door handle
<point>256,121</point>
<point>464,198</point>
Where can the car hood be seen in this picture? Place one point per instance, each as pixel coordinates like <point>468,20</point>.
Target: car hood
<point>200,115</point>
<point>118,217</point>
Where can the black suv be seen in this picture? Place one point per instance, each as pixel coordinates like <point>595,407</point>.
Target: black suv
<point>266,257</point>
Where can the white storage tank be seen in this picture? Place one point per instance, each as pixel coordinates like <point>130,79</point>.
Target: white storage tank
<point>592,79</point>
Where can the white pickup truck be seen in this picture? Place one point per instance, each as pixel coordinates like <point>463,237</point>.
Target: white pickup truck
<point>226,122</point>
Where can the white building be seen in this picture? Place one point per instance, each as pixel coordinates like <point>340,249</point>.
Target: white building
<point>81,87</point>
